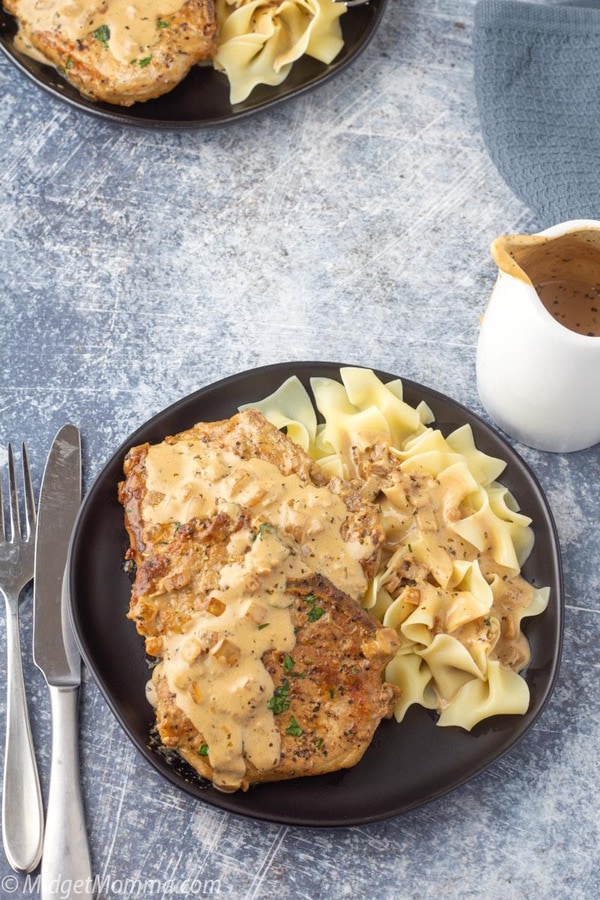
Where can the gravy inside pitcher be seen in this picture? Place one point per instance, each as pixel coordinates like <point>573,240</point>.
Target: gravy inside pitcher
<point>564,271</point>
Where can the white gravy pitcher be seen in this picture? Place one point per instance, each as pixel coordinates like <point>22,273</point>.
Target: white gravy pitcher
<point>538,355</point>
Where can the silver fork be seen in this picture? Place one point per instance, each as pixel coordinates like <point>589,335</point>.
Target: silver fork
<point>22,811</point>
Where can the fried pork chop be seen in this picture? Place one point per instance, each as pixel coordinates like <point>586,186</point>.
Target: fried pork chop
<point>328,694</point>
<point>327,705</point>
<point>267,668</point>
<point>246,436</point>
<point>182,39</point>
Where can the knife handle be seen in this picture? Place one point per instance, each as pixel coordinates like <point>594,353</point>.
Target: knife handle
<point>22,810</point>
<point>66,857</point>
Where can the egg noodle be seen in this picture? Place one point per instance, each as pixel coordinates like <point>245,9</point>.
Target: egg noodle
<point>449,580</point>
<point>261,39</point>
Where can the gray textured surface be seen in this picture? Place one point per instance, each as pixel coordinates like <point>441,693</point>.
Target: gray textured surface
<point>351,224</point>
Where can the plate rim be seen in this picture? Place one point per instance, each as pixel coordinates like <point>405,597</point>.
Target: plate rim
<point>523,724</point>
<point>119,115</point>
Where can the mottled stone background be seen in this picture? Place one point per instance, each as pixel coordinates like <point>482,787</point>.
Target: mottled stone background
<point>352,223</point>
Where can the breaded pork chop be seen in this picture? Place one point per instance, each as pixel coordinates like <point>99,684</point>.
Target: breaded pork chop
<point>183,39</point>
<point>329,694</point>
<point>247,436</point>
<point>268,667</point>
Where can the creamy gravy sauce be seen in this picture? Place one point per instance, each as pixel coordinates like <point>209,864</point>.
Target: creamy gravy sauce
<point>128,29</point>
<point>215,670</point>
<point>189,479</point>
<point>565,272</point>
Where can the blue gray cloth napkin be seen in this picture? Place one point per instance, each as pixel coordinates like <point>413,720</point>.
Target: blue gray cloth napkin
<point>537,80</point>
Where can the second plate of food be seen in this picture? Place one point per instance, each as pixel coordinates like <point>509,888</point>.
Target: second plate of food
<point>202,99</point>
<point>407,763</point>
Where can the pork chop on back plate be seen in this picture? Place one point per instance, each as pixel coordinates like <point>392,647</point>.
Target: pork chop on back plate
<point>116,51</point>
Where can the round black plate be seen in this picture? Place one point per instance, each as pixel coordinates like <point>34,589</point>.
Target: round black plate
<point>202,99</point>
<point>407,764</point>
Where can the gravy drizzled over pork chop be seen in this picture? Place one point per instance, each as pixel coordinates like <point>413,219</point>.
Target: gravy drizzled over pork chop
<point>250,568</point>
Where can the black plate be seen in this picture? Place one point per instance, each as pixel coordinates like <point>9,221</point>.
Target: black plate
<point>407,764</point>
<point>202,99</point>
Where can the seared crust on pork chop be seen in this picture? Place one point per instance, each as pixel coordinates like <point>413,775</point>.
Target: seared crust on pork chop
<point>335,693</point>
<point>187,37</point>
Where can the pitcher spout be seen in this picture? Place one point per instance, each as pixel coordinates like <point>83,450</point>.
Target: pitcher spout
<point>562,269</point>
<point>512,252</point>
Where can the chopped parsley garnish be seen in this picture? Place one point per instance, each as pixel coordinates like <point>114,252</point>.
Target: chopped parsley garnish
<point>162,24</point>
<point>280,701</point>
<point>145,61</point>
<point>293,728</point>
<point>68,64</point>
<point>315,612</point>
<point>288,662</point>
<point>264,625</point>
<point>203,751</point>
<point>319,743</point>
<point>102,34</point>
<point>488,622</point>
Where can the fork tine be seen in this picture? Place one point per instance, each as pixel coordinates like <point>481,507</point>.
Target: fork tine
<point>15,524</point>
<point>29,498</point>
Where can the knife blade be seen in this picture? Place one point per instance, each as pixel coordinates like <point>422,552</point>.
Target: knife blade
<point>54,648</point>
<point>66,856</point>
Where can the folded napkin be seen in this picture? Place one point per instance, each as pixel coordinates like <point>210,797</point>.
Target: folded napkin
<point>537,80</point>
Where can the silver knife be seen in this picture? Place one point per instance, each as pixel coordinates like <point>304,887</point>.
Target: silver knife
<point>66,855</point>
